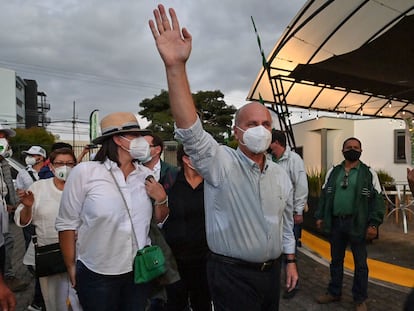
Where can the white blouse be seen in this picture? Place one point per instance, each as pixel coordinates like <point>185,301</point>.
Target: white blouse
<point>92,205</point>
<point>44,211</point>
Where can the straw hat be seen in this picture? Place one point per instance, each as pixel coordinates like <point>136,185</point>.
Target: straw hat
<point>117,123</point>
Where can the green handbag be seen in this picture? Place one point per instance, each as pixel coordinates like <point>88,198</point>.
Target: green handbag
<point>149,263</point>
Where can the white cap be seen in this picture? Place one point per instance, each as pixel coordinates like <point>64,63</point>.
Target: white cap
<point>35,150</point>
<point>9,132</point>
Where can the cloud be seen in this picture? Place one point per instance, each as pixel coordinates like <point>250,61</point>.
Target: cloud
<point>101,53</point>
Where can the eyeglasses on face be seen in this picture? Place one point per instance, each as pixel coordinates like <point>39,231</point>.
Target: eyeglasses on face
<point>58,164</point>
<point>345,182</point>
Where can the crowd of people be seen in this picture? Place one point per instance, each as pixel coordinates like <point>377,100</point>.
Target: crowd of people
<point>228,221</point>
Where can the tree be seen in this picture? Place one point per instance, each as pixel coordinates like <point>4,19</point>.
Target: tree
<point>157,111</point>
<point>214,113</point>
<point>34,136</point>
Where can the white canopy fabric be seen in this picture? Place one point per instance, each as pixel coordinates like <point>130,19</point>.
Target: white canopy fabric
<point>344,56</point>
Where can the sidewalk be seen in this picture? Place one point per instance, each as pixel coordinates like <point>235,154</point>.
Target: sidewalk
<point>393,246</point>
<point>314,278</point>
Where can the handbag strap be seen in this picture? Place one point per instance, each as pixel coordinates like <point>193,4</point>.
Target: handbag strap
<point>125,203</point>
<point>34,237</point>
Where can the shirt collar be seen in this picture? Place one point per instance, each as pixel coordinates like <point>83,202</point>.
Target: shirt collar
<point>356,167</point>
<point>157,166</point>
<point>250,162</point>
<point>109,164</point>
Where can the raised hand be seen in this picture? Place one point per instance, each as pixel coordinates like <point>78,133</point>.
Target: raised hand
<point>26,197</point>
<point>173,44</point>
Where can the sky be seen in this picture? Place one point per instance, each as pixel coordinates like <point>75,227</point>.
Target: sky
<point>100,54</point>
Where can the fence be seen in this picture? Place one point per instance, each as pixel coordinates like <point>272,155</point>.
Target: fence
<point>169,154</point>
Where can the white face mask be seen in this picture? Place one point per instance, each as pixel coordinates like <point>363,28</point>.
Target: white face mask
<point>257,139</point>
<point>5,150</point>
<point>30,160</point>
<point>139,149</point>
<point>62,172</point>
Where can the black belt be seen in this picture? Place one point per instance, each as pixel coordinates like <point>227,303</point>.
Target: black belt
<point>343,217</point>
<point>259,266</point>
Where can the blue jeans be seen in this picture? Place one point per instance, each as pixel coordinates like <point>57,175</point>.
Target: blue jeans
<point>109,292</point>
<point>339,239</point>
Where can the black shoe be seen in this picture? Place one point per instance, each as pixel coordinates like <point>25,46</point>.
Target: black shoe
<point>289,295</point>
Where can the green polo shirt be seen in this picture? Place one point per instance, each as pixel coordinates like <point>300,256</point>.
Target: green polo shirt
<point>345,196</point>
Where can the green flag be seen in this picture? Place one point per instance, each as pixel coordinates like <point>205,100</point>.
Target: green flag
<point>94,125</point>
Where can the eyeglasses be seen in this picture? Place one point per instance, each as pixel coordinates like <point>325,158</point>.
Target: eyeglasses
<point>59,164</point>
<point>345,182</point>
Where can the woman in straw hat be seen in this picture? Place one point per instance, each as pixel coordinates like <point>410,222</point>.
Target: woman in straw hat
<point>108,203</point>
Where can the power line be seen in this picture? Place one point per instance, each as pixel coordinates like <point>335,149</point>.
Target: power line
<point>83,76</point>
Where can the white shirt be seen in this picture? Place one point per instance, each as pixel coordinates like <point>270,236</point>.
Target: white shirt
<point>156,171</point>
<point>24,180</point>
<point>92,205</point>
<point>44,211</point>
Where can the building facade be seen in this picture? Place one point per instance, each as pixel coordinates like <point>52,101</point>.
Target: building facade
<point>383,143</point>
<point>22,105</point>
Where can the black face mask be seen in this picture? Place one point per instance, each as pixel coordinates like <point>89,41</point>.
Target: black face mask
<point>352,155</point>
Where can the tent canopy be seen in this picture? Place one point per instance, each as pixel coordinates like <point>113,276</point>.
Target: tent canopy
<point>352,56</point>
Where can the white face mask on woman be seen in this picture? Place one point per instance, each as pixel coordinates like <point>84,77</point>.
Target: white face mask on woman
<point>62,172</point>
<point>257,139</point>
<point>139,149</point>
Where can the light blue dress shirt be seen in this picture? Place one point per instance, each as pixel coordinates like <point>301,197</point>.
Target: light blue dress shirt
<point>249,213</point>
<point>294,166</point>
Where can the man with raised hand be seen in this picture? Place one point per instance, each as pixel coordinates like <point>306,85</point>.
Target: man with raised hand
<point>248,199</point>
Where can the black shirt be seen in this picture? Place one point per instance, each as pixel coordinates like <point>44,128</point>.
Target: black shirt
<point>185,229</point>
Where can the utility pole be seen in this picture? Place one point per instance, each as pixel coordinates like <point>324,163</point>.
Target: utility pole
<point>73,125</point>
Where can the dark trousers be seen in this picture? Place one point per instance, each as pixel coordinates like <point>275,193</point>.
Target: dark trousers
<point>297,231</point>
<point>339,239</point>
<point>28,231</point>
<point>109,292</point>
<point>235,288</point>
<point>193,288</point>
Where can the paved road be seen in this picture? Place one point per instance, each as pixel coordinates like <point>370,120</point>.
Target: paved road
<point>314,276</point>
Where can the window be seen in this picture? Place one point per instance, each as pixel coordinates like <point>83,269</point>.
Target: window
<point>399,146</point>
<point>299,151</point>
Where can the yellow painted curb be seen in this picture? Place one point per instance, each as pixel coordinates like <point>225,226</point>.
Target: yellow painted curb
<point>377,269</point>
